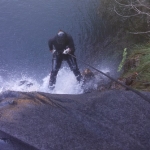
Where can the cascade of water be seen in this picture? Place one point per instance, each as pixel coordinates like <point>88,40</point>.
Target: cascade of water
<point>25,29</point>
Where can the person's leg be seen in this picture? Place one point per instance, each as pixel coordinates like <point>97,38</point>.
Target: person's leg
<point>56,64</point>
<point>74,67</point>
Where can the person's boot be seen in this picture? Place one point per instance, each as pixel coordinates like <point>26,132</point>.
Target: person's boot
<point>51,86</point>
<point>52,81</point>
<point>79,78</point>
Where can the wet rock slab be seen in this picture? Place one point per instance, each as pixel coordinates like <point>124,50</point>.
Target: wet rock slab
<point>8,142</point>
<point>111,120</point>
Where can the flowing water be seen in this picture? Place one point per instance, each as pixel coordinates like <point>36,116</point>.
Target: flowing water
<point>26,26</point>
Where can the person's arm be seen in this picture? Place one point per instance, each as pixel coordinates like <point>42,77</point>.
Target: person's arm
<point>71,43</point>
<point>50,44</point>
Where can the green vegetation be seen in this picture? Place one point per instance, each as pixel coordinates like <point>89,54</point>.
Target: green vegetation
<point>128,24</point>
<point>141,55</point>
<point>123,59</point>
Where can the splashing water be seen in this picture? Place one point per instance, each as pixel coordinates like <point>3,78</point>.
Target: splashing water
<point>66,84</point>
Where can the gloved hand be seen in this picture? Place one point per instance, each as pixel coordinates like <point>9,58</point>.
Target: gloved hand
<point>66,51</point>
<point>53,51</point>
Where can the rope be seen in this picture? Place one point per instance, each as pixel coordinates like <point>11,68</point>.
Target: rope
<point>127,87</point>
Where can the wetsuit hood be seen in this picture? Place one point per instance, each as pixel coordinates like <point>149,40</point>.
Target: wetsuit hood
<point>61,37</point>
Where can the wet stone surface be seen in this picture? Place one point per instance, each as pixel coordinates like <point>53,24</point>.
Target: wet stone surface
<point>114,120</point>
<point>8,142</point>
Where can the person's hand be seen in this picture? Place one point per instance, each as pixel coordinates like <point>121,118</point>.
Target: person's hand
<point>53,51</point>
<point>66,51</point>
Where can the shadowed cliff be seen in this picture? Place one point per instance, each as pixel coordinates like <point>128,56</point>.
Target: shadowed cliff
<point>98,120</point>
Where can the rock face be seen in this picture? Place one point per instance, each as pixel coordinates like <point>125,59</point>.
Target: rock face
<point>114,120</point>
<point>8,142</point>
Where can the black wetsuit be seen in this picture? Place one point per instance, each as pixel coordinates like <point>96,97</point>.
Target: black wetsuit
<point>58,57</point>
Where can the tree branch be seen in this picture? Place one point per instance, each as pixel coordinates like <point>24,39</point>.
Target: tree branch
<point>143,4</point>
<point>139,11</point>
<point>139,32</point>
<point>125,16</point>
<point>134,8</point>
<point>122,4</point>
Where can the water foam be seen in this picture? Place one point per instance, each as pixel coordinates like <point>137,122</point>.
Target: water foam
<point>66,84</point>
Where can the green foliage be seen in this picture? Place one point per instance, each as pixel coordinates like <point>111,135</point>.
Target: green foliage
<point>143,68</point>
<point>123,59</point>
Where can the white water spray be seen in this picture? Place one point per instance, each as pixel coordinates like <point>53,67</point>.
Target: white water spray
<point>66,84</point>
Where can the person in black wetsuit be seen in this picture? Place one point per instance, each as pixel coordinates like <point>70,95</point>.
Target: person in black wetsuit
<point>61,46</point>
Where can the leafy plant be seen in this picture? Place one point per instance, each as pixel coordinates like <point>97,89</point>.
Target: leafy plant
<point>123,59</point>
